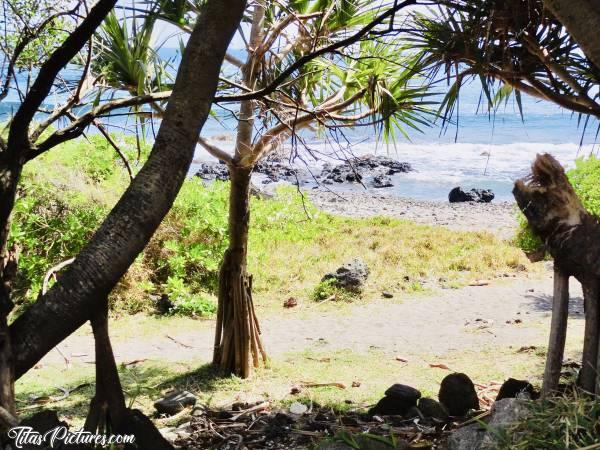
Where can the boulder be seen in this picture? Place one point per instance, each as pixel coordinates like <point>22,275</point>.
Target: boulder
<point>434,409</point>
<point>512,388</point>
<point>174,402</point>
<point>467,438</point>
<point>399,400</point>
<point>276,169</point>
<point>355,169</point>
<point>382,181</point>
<point>212,172</point>
<point>403,392</point>
<point>350,276</point>
<point>503,415</point>
<point>457,394</point>
<point>458,195</point>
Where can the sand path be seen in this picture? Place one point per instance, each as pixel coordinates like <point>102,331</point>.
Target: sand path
<point>505,314</point>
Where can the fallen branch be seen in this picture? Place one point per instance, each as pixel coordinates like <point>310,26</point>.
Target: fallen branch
<point>314,385</point>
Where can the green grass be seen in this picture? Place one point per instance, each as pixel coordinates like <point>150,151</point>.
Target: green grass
<point>66,194</point>
<point>562,423</point>
<point>375,370</point>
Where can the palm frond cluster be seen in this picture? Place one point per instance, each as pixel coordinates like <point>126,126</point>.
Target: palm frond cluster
<point>511,46</point>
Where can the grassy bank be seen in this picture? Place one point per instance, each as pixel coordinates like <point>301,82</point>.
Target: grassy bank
<point>67,193</point>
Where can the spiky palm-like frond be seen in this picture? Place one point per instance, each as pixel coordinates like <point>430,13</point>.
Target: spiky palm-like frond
<point>510,46</point>
<point>126,58</point>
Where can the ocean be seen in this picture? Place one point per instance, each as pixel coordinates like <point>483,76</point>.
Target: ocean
<point>483,150</point>
<point>488,151</point>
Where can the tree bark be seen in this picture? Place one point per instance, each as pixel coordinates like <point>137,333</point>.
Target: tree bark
<point>131,223</point>
<point>9,177</point>
<point>572,236</point>
<point>237,339</point>
<point>558,333</point>
<point>238,346</point>
<point>588,375</point>
<point>108,413</point>
<point>582,19</point>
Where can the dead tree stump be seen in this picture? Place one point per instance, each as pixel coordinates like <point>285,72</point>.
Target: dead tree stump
<point>572,237</point>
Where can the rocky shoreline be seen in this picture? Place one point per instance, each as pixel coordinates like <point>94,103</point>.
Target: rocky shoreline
<point>357,188</point>
<point>498,218</point>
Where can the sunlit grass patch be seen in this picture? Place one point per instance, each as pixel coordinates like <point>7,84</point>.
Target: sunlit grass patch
<point>371,372</point>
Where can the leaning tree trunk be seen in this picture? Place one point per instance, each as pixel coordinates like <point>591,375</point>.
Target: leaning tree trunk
<point>582,19</point>
<point>237,339</point>
<point>133,220</point>
<point>9,178</point>
<point>572,236</point>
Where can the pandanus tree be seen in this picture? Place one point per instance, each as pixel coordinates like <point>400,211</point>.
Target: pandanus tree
<point>545,49</point>
<point>80,295</point>
<point>512,47</point>
<point>324,64</point>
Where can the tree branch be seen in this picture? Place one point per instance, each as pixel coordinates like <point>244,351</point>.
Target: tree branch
<point>319,52</point>
<point>216,152</point>
<point>18,141</point>
<point>85,284</point>
<point>295,122</point>
<point>77,127</point>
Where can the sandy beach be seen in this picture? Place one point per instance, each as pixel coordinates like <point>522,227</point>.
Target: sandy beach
<point>496,217</point>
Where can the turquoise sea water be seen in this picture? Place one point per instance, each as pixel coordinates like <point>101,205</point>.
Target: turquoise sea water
<point>477,150</point>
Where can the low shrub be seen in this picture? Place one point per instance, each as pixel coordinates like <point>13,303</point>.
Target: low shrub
<point>329,290</point>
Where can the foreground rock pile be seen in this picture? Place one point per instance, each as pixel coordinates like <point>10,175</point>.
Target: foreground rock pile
<point>415,422</point>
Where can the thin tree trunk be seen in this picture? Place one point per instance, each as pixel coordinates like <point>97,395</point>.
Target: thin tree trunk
<point>108,413</point>
<point>9,178</point>
<point>108,405</point>
<point>238,345</point>
<point>588,376</point>
<point>558,333</point>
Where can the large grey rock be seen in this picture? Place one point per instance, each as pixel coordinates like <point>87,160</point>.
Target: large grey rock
<point>467,438</point>
<point>503,415</point>
<point>350,276</point>
<point>174,402</point>
<point>507,412</point>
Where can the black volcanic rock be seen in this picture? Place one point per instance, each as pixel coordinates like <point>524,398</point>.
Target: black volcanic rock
<point>512,387</point>
<point>356,169</point>
<point>399,400</point>
<point>458,195</point>
<point>457,394</point>
<point>212,172</point>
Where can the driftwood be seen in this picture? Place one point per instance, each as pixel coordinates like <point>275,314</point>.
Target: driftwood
<point>572,237</point>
